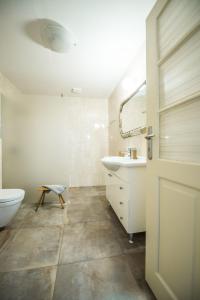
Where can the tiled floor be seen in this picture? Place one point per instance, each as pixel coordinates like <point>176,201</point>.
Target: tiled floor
<point>79,253</point>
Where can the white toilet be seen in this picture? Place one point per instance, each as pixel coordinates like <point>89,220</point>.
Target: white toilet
<point>10,201</point>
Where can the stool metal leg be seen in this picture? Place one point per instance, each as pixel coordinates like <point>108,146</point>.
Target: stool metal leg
<point>61,203</point>
<point>62,198</point>
<point>44,194</point>
<point>40,201</point>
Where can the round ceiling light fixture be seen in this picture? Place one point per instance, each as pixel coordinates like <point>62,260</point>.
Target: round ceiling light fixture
<point>56,37</point>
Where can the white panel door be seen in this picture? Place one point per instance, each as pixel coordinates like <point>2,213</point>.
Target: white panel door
<point>173,173</point>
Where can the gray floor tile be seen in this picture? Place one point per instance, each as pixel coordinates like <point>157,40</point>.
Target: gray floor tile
<point>96,261</point>
<point>104,279</point>
<point>6,235</point>
<point>31,248</point>
<point>81,199</point>
<point>46,215</point>
<point>83,241</point>
<point>88,191</point>
<point>35,284</point>
<point>19,218</point>
<point>87,211</point>
<point>136,263</point>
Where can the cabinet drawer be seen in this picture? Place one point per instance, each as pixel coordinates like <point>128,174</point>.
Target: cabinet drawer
<point>117,193</point>
<point>121,204</point>
<point>123,192</point>
<point>109,187</point>
<point>122,214</point>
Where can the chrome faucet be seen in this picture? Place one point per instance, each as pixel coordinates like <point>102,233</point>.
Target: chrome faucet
<point>132,153</point>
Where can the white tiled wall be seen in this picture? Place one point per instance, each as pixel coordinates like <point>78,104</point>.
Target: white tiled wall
<point>136,74</point>
<point>7,88</point>
<point>10,91</point>
<point>54,140</point>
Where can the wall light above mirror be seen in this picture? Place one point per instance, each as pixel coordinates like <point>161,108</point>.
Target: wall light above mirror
<point>132,114</point>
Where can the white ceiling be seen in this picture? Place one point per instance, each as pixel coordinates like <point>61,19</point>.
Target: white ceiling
<point>109,34</point>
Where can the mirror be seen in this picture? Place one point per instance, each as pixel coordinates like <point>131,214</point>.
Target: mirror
<point>132,115</point>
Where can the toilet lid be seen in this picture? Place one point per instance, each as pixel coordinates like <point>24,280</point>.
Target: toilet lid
<point>7,195</point>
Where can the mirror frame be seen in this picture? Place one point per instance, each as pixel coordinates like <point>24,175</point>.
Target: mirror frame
<point>135,131</point>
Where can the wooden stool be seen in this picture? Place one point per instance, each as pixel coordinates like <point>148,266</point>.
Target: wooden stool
<point>45,191</point>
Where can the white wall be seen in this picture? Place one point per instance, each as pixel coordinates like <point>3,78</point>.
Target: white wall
<point>53,140</point>
<point>134,76</point>
<point>8,90</point>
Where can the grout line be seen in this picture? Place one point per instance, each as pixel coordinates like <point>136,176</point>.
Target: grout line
<point>59,254</point>
<point>138,250</point>
<point>13,232</point>
<point>91,259</point>
<point>29,269</point>
<point>87,221</point>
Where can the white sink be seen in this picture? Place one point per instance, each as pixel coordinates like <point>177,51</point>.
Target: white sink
<point>113,163</point>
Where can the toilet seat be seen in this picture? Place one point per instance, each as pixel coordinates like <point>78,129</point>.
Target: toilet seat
<point>9,195</point>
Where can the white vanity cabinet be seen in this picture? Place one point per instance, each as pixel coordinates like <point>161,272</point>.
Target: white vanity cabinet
<point>125,190</point>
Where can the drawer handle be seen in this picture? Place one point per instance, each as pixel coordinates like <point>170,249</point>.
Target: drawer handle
<point>121,218</point>
<point>121,203</point>
<point>121,188</point>
<point>110,175</point>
